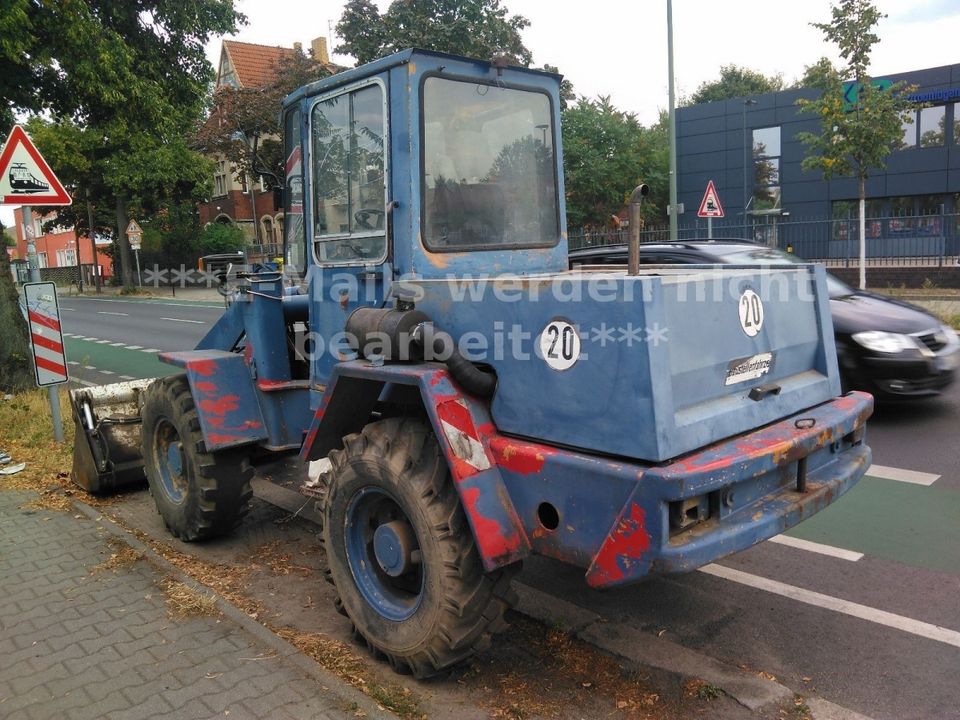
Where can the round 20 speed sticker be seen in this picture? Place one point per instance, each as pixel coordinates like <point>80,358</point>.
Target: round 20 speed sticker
<point>560,344</point>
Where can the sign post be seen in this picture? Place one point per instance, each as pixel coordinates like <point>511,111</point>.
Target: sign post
<point>710,207</point>
<point>25,178</point>
<point>135,236</point>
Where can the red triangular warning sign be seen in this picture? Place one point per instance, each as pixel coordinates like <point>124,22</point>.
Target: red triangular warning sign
<point>710,206</point>
<point>25,177</point>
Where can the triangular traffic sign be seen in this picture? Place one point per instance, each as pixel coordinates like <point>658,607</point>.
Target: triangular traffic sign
<point>133,228</point>
<point>25,177</point>
<point>710,206</point>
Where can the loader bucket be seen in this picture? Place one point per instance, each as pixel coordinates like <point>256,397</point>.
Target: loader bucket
<point>106,449</point>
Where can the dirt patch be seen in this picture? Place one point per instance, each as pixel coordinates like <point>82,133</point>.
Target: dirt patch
<point>184,601</point>
<point>122,557</point>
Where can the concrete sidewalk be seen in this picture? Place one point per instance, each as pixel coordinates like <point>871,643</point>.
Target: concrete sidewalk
<point>78,641</point>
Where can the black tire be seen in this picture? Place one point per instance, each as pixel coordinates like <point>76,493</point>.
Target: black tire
<point>209,494</point>
<point>458,605</point>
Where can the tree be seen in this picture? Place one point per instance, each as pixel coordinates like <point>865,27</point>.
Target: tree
<point>243,123</point>
<point>132,73</point>
<point>607,153</point>
<point>857,133</point>
<point>475,28</point>
<point>735,82</point>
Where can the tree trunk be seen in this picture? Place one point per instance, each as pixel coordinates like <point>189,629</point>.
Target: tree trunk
<point>863,234</point>
<point>93,244</point>
<point>123,243</point>
<point>16,373</point>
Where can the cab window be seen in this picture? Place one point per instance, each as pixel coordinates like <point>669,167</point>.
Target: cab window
<point>349,179</point>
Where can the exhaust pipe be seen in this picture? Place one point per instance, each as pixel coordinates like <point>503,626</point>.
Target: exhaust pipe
<point>107,447</point>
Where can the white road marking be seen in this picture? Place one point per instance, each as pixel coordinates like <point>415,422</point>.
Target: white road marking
<point>103,342</point>
<point>845,607</point>
<point>84,382</point>
<point>127,377</point>
<point>816,547</point>
<point>908,476</point>
<point>107,312</point>
<point>195,304</point>
<point>72,362</point>
<point>195,322</point>
<point>67,309</point>
<point>89,367</point>
<point>151,350</point>
<point>133,347</point>
<point>105,372</point>
<point>117,345</point>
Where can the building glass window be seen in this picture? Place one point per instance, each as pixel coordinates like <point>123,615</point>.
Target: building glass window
<point>66,258</point>
<point>930,214</point>
<point>220,178</point>
<point>933,126</point>
<point>348,176</point>
<point>42,260</point>
<point>956,125</point>
<point>766,169</point>
<point>909,125</point>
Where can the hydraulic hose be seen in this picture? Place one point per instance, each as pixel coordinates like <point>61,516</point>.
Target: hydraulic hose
<point>409,334</point>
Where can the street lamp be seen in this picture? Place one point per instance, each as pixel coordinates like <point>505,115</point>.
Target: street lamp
<point>747,155</point>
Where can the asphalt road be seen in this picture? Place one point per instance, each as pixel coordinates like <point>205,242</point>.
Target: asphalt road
<point>113,339</point>
<point>873,626</point>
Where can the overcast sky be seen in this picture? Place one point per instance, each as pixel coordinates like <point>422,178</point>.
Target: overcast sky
<point>618,48</point>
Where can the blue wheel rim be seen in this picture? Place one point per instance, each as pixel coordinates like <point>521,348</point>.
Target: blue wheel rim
<point>394,597</point>
<point>170,460</point>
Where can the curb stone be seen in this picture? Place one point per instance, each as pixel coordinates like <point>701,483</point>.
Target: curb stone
<point>283,649</point>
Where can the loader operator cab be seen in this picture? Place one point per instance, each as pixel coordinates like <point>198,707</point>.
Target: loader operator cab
<point>400,167</point>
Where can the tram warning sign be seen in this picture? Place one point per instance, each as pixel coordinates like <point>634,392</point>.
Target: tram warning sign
<point>25,177</point>
<point>710,206</point>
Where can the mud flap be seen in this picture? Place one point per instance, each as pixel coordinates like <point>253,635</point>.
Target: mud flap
<point>107,447</point>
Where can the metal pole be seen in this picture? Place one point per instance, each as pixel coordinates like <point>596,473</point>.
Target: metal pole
<point>35,277</point>
<point>136,254</point>
<point>745,157</point>
<point>709,228</point>
<point>93,243</point>
<point>674,231</point>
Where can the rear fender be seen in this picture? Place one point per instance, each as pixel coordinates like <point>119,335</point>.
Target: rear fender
<point>463,428</point>
<point>224,396</point>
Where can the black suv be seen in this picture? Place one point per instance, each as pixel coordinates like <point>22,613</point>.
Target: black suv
<point>890,348</point>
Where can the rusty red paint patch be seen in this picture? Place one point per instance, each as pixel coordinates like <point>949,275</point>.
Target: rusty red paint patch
<point>520,457</point>
<point>221,406</point>
<point>205,387</point>
<point>491,540</point>
<point>624,546</point>
<point>206,368</point>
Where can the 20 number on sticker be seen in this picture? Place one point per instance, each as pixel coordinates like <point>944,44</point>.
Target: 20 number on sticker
<point>751,313</point>
<point>560,345</point>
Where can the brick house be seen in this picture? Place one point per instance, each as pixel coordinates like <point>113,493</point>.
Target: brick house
<point>58,249</point>
<point>246,202</point>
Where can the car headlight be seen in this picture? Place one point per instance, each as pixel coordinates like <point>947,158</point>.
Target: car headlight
<point>884,342</point>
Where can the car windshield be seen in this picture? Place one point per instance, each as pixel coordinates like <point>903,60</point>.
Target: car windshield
<point>743,255</point>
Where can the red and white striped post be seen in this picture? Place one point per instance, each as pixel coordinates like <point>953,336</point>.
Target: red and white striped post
<point>46,339</point>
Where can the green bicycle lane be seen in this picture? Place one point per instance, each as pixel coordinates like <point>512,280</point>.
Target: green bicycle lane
<point>914,525</point>
<point>100,363</point>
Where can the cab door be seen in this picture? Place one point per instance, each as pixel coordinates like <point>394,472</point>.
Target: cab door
<point>348,138</point>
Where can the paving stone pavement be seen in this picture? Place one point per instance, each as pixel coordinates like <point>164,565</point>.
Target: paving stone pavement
<point>76,644</point>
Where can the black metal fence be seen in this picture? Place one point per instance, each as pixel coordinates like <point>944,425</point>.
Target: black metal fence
<point>923,240</point>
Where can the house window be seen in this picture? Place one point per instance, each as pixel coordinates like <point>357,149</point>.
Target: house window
<point>266,224</point>
<point>66,258</point>
<point>220,178</point>
<point>933,126</point>
<point>766,169</point>
<point>42,260</point>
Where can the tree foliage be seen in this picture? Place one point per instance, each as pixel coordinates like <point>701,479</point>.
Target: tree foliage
<point>856,136</point>
<point>243,123</point>
<point>607,153</point>
<point>475,28</point>
<point>734,82</point>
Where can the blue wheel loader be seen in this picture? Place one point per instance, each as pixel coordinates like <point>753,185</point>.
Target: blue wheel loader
<point>466,400</point>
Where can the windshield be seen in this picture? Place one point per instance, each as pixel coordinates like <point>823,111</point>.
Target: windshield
<point>740,255</point>
<point>489,170</point>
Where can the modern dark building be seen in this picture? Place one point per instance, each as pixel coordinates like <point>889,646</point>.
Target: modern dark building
<point>748,147</point>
